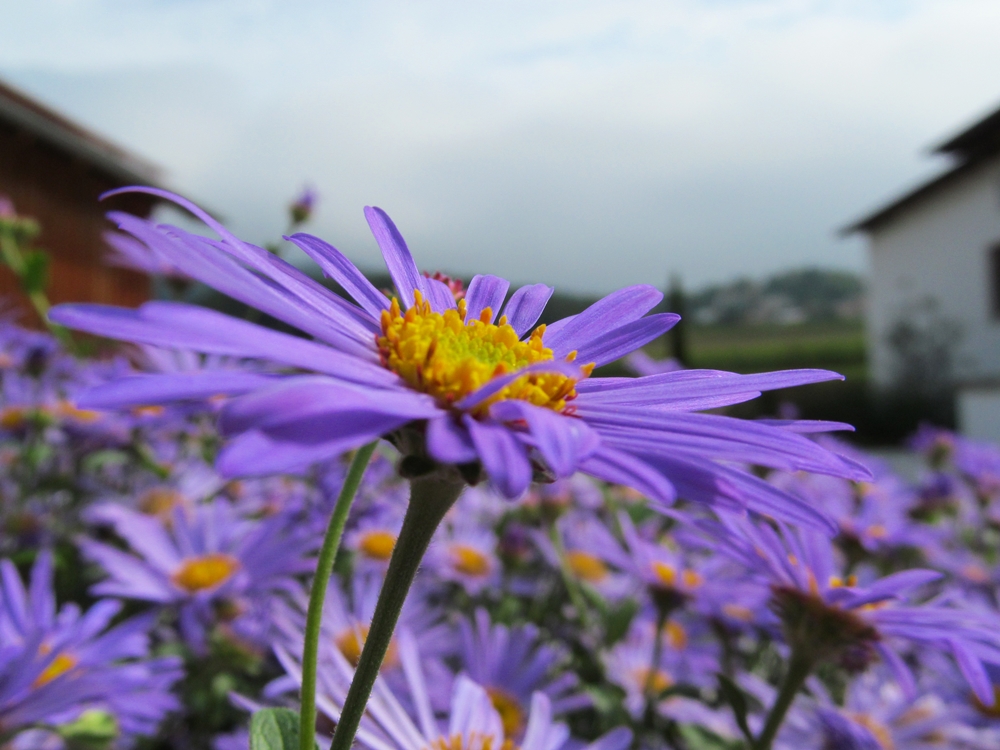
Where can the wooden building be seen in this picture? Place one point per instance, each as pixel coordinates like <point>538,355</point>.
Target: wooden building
<point>54,170</point>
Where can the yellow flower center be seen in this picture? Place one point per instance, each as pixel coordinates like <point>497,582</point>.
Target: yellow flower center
<point>677,637</point>
<point>879,730</point>
<point>205,572</point>
<point>738,612</point>
<point>448,357</point>
<point>586,566</point>
<point>352,640</point>
<point>58,666</point>
<point>377,545</point>
<point>666,576</point>
<point>469,560</point>
<point>509,708</point>
<point>13,417</point>
<point>656,682</point>
<point>159,501</point>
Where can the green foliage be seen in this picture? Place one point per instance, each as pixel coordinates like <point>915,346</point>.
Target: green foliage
<point>35,272</point>
<point>93,730</point>
<point>274,729</point>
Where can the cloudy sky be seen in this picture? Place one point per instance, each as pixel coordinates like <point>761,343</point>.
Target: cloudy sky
<point>586,144</point>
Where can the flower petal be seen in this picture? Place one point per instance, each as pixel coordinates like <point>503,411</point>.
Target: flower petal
<point>141,390</point>
<point>503,456</point>
<point>177,325</point>
<point>619,467</point>
<point>611,312</point>
<point>626,339</point>
<point>396,254</point>
<point>320,407</point>
<point>485,291</point>
<point>563,441</point>
<point>337,267</point>
<point>449,442</point>
<point>525,306</point>
<point>255,454</point>
<point>439,295</point>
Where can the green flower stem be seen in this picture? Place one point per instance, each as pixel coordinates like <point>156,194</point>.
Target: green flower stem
<point>11,253</point>
<point>324,568</point>
<point>569,579</point>
<point>799,667</point>
<point>654,663</point>
<point>430,498</point>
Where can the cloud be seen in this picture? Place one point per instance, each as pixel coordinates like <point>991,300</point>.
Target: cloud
<point>588,144</point>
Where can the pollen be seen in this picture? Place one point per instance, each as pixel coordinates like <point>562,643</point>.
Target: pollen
<point>205,572</point>
<point>449,357</point>
<point>377,545</point>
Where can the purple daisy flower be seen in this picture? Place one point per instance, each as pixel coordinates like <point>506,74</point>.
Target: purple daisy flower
<point>512,664</point>
<point>57,665</point>
<point>471,722</point>
<point>216,567</point>
<point>455,383</point>
<point>829,616</point>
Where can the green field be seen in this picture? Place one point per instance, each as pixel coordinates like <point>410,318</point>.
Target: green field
<point>835,345</point>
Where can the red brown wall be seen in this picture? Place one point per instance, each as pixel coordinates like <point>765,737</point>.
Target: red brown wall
<point>60,192</point>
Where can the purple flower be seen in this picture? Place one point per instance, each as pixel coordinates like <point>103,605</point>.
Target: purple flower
<point>831,616</point>
<point>512,664</point>
<point>454,383</point>
<point>302,207</point>
<point>214,566</point>
<point>57,665</point>
<point>470,720</point>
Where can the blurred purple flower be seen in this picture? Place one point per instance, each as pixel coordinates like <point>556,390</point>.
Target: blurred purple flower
<point>56,665</point>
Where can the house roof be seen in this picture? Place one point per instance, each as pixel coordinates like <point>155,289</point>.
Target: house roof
<point>968,149</point>
<point>26,114</point>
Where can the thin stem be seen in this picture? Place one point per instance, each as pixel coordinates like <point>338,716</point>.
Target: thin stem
<point>654,663</point>
<point>324,568</point>
<point>430,499</point>
<point>799,667</point>
<point>572,585</point>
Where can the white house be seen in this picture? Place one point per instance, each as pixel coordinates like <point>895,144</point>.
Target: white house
<point>935,278</point>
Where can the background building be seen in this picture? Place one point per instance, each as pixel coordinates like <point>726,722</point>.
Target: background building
<point>934,296</point>
<point>54,170</point>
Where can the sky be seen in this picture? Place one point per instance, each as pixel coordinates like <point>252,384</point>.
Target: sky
<point>589,145</point>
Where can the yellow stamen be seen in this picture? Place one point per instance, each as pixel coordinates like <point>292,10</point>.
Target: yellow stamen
<point>69,410</point>
<point>510,710</point>
<point>377,545</point>
<point>666,574</point>
<point>13,417</point>
<point>57,667</point>
<point>448,357</point>
<point>469,560</point>
<point>474,741</point>
<point>205,572</point>
<point>586,566</point>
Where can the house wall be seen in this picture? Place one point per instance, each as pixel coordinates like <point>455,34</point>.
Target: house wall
<point>938,249</point>
<point>61,192</point>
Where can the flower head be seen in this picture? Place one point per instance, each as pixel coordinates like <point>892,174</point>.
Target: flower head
<point>472,384</point>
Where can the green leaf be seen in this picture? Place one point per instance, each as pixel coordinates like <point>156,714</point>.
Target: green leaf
<point>36,271</point>
<point>732,694</point>
<point>274,729</point>
<point>619,620</point>
<point>93,730</point>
